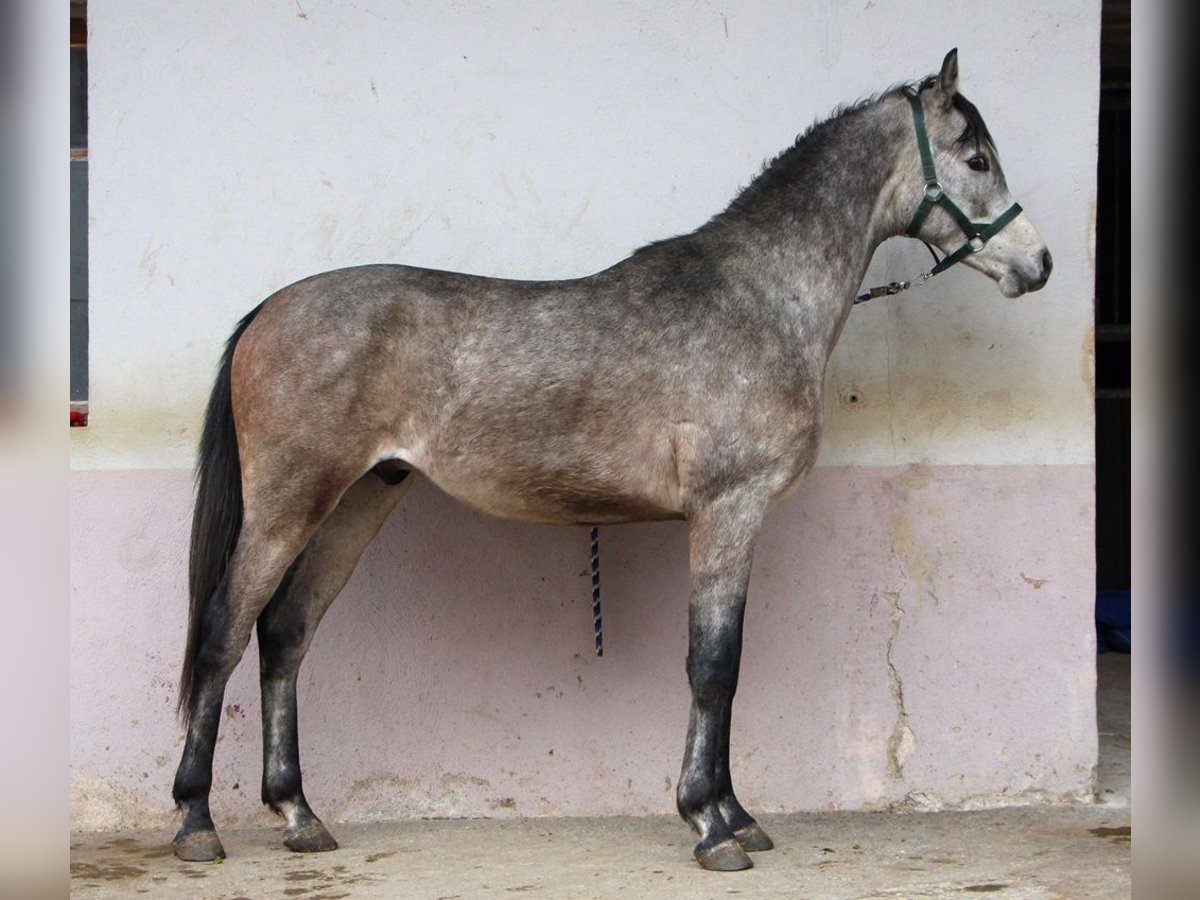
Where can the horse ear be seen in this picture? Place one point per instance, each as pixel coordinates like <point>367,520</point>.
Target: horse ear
<point>947,80</point>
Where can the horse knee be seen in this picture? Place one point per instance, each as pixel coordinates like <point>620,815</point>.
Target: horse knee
<point>191,783</point>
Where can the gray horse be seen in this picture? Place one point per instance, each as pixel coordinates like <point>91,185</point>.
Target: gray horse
<point>684,382</point>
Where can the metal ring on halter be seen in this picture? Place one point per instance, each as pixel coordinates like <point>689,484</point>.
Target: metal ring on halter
<point>933,190</point>
<point>976,243</point>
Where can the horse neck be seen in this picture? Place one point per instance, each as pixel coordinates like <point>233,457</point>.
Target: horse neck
<point>805,230</point>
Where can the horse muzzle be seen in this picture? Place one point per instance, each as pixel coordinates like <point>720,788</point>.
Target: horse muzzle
<point>1028,275</point>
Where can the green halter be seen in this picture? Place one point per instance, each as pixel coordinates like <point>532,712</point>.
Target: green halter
<point>978,233</point>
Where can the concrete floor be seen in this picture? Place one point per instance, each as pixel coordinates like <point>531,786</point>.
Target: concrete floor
<point>1113,722</point>
<point>1029,853</point>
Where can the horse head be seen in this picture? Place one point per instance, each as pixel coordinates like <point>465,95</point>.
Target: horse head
<point>964,207</point>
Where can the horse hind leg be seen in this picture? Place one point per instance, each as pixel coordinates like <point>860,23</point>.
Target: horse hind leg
<point>257,566</point>
<point>271,538</point>
<point>286,628</point>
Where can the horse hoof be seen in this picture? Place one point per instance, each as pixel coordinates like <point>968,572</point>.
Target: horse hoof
<point>727,856</point>
<point>753,839</point>
<point>310,838</point>
<point>198,846</point>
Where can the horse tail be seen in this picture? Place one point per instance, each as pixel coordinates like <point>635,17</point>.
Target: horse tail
<point>217,518</point>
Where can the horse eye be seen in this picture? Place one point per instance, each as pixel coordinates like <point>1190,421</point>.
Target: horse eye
<point>978,164</point>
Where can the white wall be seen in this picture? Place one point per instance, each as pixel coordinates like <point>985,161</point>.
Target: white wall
<point>920,624</point>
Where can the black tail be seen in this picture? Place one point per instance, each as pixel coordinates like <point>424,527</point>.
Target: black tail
<point>217,519</point>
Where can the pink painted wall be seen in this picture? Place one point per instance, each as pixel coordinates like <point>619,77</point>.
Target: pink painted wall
<point>916,636</point>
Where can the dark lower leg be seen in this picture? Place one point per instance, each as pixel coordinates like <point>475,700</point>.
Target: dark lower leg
<point>747,831</point>
<point>197,838</point>
<point>722,546</point>
<point>282,642</point>
<point>285,629</point>
<point>281,785</point>
<point>715,651</point>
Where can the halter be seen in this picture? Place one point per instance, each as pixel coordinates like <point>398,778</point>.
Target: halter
<point>977,233</point>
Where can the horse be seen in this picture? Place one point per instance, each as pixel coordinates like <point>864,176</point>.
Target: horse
<point>684,382</point>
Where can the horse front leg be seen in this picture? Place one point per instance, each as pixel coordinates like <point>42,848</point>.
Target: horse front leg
<point>722,544</point>
<point>747,831</point>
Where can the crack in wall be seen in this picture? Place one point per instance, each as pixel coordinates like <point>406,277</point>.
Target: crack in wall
<point>902,741</point>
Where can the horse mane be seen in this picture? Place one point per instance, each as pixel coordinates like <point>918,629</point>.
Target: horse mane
<point>782,168</point>
<point>779,170</point>
<point>786,166</point>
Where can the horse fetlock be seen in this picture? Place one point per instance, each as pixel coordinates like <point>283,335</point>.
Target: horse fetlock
<point>305,833</point>
<point>733,812</point>
<point>281,790</point>
<point>705,818</point>
<point>192,785</point>
<point>693,798</point>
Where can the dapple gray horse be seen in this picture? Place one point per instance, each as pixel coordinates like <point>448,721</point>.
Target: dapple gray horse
<point>684,382</point>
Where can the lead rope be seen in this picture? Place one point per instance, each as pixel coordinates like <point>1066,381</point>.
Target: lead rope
<point>595,568</point>
<point>895,287</point>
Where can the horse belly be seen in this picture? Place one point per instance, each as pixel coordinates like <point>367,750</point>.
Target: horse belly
<point>569,491</point>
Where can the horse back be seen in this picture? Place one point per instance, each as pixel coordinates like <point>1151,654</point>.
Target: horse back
<point>627,395</point>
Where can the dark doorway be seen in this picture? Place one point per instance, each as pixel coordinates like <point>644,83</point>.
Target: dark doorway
<point>1112,315</point>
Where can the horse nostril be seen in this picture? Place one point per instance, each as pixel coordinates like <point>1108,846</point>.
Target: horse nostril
<point>1047,263</point>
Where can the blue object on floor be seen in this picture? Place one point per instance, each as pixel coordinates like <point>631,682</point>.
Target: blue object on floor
<point>1112,621</point>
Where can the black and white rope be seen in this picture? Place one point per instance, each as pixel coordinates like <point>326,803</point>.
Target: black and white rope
<point>595,568</point>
